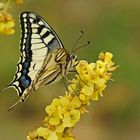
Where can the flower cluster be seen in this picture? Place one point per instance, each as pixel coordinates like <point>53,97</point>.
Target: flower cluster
<point>7,22</point>
<point>64,112</point>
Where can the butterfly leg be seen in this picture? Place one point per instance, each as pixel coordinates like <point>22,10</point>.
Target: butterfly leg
<point>70,85</point>
<point>65,84</point>
<point>82,79</point>
<point>79,77</point>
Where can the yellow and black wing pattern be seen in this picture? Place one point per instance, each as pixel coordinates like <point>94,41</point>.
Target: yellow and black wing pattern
<point>38,40</point>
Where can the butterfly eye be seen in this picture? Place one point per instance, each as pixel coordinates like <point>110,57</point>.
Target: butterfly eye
<point>73,56</point>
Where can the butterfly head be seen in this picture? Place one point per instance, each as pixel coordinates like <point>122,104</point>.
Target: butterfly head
<point>72,62</point>
<point>73,57</point>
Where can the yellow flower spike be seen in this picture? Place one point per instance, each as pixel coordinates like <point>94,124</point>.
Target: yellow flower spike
<point>63,113</point>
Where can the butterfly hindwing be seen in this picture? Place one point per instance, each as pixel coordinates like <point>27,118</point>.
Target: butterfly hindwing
<point>38,39</point>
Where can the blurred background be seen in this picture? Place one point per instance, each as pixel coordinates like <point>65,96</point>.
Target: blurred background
<point>110,26</point>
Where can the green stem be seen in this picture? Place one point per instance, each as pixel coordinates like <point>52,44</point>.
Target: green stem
<point>7,5</point>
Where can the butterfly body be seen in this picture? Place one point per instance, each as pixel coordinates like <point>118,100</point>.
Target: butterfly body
<point>43,59</point>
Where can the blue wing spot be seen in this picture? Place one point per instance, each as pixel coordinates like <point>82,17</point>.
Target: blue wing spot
<point>22,78</point>
<point>24,71</point>
<point>26,65</point>
<point>26,83</point>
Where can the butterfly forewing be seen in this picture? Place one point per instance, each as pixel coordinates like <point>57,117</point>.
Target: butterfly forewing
<point>38,39</point>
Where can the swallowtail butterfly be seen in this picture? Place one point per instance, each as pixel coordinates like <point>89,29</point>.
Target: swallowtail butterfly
<point>43,60</point>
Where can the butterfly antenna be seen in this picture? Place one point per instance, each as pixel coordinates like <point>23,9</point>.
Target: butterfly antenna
<point>88,42</point>
<point>82,33</point>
